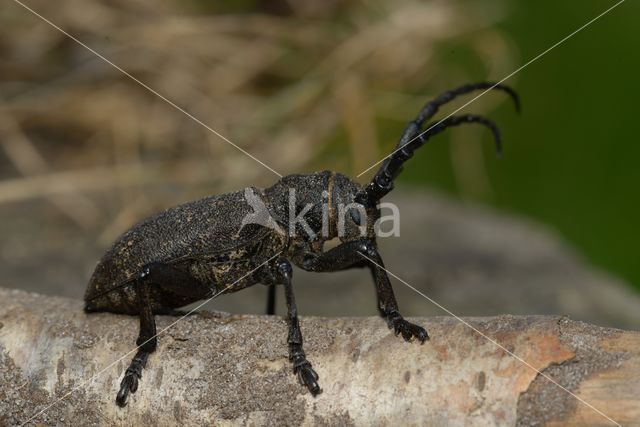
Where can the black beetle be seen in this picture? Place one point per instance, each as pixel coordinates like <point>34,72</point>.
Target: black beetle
<point>225,243</point>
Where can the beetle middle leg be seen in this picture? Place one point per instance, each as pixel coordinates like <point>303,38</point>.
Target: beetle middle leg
<point>282,273</point>
<point>271,300</point>
<point>171,279</point>
<point>358,254</point>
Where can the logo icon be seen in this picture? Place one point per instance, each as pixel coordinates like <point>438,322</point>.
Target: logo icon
<point>260,214</point>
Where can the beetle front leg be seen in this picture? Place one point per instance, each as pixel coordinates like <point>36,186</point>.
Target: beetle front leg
<point>360,253</point>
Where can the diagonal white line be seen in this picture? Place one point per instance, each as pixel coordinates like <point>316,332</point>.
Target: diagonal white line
<point>144,85</point>
<point>82,384</point>
<point>501,81</point>
<point>494,342</point>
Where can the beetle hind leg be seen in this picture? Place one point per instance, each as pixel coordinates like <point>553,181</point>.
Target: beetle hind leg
<point>146,342</point>
<point>170,279</point>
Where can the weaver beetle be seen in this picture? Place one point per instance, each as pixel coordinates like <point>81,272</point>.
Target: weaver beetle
<point>222,244</point>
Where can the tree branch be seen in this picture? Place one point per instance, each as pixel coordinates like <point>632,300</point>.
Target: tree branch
<point>220,369</point>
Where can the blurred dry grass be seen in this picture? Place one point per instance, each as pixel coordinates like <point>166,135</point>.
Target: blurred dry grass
<point>73,129</point>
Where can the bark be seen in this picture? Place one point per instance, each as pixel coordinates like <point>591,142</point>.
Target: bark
<point>214,368</point>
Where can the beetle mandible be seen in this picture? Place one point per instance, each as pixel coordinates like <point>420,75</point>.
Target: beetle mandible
<point>193,251</point>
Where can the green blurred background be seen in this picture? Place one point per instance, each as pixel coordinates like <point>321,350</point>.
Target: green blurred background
<point>571,158</point>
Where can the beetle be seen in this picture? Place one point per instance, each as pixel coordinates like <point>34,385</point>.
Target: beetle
<point>202,248</point>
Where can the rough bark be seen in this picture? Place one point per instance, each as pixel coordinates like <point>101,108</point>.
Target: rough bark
<point>213,368</point>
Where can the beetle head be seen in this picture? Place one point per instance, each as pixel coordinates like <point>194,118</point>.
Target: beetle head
<point>351,218</point>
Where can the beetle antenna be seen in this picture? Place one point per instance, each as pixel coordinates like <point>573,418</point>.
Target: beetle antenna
<point>413,138</point>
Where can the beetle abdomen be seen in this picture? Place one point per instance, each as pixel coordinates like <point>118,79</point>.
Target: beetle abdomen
<point>124,300</point>
<point>120,300</point>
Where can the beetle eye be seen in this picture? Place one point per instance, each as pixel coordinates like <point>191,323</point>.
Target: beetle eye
<point>355,215</point>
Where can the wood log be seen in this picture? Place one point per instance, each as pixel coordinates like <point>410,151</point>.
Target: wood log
<point>57,368</point>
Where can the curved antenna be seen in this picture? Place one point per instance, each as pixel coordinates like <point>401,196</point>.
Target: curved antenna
<point>413,138</point>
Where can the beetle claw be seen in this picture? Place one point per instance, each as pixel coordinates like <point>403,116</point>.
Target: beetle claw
<point>308,377</point>
<point>408,329</point>
<point>129,384</point>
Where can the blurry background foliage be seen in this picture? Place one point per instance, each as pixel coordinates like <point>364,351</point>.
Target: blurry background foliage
<point>309,85</point>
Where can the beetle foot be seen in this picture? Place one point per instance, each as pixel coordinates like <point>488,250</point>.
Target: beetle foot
<point>129,383</point>
<point>307,376</point>
<point>302,367</point>
<point>407,329</point>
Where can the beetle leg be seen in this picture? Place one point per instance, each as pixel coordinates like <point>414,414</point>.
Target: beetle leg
<point>146,343</point>
<point>271,300</point>
<point>169,278</point>
<point>301,366</point>
<point>360,253</point>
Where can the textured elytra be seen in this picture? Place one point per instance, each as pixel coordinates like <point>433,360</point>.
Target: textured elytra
<point>194,235</point>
